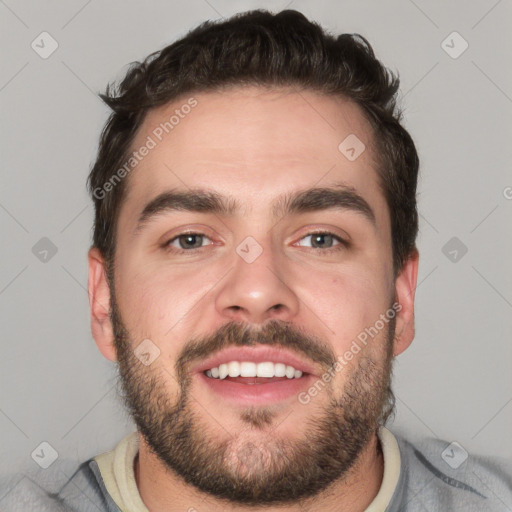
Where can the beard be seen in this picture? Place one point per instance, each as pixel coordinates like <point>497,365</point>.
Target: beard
<point>257,467</point>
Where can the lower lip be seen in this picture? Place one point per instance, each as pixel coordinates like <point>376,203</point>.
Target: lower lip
<point>271,392</point>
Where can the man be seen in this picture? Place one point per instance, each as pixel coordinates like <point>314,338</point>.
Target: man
<point>253,273</point>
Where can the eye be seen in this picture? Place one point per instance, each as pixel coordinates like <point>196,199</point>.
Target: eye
<point>186,242</point>
<point>190,242</point>
<point>324,240</point>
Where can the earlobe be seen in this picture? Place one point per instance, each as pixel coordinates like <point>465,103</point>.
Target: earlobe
<point>99,304</point>
<point>405,288</point>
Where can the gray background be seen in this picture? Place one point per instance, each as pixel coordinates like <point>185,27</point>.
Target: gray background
<point>454,382</point>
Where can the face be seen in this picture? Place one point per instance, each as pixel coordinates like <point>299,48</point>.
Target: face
<point>303,272</point>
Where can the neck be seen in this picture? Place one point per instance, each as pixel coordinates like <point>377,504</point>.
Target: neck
<point>161,489</point>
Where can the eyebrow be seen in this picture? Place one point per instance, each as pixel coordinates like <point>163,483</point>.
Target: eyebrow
<point>336,197</point>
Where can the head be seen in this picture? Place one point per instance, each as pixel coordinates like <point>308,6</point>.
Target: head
<point>277,150</point>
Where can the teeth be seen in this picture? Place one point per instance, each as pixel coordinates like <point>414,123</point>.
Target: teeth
<point>290,372</point>
<point>279,370</point>
<point>234,369</point>
<point>223,371</point>
<point>265,369</point>
<point>250,369</point>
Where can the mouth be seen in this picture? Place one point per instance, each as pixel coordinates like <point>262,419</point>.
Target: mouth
<point>249,383</point>
<point>255,390</point>
<point>247,371</point>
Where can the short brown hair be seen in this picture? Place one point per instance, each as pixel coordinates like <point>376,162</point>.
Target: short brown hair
<point>261,48</point>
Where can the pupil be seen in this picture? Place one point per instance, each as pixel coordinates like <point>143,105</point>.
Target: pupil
<point>189,238</point>
<point>320,237</point>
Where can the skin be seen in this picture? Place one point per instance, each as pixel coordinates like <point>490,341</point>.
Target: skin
<point>254,144</point>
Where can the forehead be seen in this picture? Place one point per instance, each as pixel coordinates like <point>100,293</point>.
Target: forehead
<point>251,143</point>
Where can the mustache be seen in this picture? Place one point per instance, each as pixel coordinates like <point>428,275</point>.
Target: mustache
<point>273,333</point>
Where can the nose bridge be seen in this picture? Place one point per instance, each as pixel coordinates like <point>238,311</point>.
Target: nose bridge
<point>257,287</point>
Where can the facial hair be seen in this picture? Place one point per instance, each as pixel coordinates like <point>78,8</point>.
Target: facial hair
<point>271,470</point>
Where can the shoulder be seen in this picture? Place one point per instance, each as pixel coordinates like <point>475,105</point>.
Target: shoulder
<point>439,475</point>
<point>63,487</point>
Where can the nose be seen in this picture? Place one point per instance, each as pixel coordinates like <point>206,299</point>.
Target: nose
<point>256,291</point>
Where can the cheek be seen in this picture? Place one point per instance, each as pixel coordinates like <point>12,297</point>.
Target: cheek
<point>346,302</point>
<point>157,301</point>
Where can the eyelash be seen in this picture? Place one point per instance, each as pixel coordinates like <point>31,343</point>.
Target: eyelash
<point>342,245</point>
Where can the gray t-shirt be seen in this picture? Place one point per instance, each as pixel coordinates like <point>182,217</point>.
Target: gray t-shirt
<point>428,475</point>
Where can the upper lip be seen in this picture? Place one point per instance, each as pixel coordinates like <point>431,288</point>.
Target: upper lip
<point>257,354</point>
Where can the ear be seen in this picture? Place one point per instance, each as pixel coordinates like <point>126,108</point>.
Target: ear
<point>405,288</point>
<point>99,303</point>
